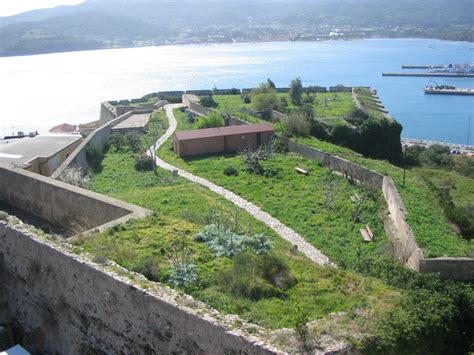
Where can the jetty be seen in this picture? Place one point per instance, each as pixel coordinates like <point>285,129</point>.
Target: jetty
<point>435,74</point>
<point>436,66</point>
<point>448,90</point>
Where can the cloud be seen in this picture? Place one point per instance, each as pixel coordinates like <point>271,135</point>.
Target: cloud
<point>12,7</point>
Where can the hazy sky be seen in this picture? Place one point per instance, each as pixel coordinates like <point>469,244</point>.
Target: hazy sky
<point>12,7</point>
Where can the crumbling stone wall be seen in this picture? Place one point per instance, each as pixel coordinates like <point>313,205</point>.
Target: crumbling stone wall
<point>60,303</point>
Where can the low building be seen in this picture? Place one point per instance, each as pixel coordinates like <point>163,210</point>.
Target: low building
<point>64,128</point>
<point>42,154</point>
<point>222,139</point>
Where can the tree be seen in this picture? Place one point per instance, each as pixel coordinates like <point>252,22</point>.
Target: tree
<point>271,84</point>
<point>297,123</point>
<point>208,101</point>
<point>252,157</point>
<point>155,129</point>
<point>296,91</point>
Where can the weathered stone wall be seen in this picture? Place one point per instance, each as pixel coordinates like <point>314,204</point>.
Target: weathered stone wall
<point>62,204</point>
<point>368,177</point>
<point>461,269</point>
<point>62,304</point>
<point>398,230</point>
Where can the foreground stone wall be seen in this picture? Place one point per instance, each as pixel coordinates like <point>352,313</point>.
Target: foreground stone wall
<point>62,304</point>
<point>62,204</point>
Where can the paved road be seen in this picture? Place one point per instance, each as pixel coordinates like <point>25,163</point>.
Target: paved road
<point>285,232</point>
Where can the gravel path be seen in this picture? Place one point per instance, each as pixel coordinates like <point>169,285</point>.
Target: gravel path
<point>282,230</point>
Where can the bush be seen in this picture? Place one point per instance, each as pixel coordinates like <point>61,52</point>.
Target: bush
<point>116,142</point>
<point>208,101</point>
<point>149,268</point>
<point>183,275</point>
<point>76,176</point>
<point>297,123</point>
<point>245,279</point>
<point>246,99</point>
<point>190,117</point>
<point>133,142</point>
<point>224,242</point>
<point>214,119</point>
<point>434,316</point>
<point>144,163</point>
<point>231,171</point>
<point>94,156</point>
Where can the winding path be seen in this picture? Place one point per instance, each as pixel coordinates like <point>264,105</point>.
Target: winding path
<point>282,230</point>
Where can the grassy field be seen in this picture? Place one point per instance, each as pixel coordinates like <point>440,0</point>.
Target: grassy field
<point>302,202</point>
<point>426,217</point>
<point>183,209</point>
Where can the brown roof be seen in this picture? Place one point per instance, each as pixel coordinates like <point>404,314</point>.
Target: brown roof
<point>224,131</point>
<point>63,128</point>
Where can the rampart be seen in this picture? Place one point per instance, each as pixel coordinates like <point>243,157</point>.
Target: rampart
<point>61,303</point>
<point>63,204</point>
<point>396,226</point>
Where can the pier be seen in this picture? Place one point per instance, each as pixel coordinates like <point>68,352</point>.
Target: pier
<point>452,75</point>
<point>448,91</point>
<point>437,66</point>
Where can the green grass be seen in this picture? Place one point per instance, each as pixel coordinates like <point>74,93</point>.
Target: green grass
<point>183,208</point>
<point>424,214</point>
<point>328,105</point>
<point>298,200</point>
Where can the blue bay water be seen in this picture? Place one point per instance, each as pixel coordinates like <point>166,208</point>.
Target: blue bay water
<point>38,92</point>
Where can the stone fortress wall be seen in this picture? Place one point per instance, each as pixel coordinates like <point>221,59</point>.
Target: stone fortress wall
<point>397,228</point>
<point>60,302</point>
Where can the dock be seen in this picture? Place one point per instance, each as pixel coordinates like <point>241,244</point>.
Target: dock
<point>452,75</point>
<point>436,66</point>
<point>448,91</point>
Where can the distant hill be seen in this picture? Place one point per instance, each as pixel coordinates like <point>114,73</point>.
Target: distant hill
<point>114,23</point>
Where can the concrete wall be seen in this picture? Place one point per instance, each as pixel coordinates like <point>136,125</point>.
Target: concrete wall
<point>99,137</point>
<point>461,269</point>
<point>62,304</point>
<point>107,113</point>
<point>62,204</point>
<point>398,230</point>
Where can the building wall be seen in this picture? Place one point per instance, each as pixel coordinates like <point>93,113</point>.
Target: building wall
<point>63,304</point>
<point>201,146</point>
<point>461,269</point>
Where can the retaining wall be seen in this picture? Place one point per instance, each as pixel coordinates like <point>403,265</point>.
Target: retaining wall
<point>108,112</point>
<point>62,304</point>
<point>99,138</point>
<point>63,204</point>
<point>400,232</point>
<point>368,177</point>
<point>461,269</point>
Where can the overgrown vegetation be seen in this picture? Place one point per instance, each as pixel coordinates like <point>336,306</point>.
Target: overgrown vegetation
<point>76,176</point>
<point>213,119</point>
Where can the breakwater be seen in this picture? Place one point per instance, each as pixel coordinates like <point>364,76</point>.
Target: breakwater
<point>451,75</point>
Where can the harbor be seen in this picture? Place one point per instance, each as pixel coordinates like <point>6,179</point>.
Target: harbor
<point>438,70</point>
<point>454,147</point>
<point>437,66</point>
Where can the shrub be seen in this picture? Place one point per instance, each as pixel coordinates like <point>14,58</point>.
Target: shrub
<point>271,172</point>
<point>264,101</point>
<point>231,171</point>
<point>190,117</point>
<point>276,271</point>
<point>246,99</point>
<point>279,145</point>
<point>94,156</point>
<point>214,119</point>
<point>183,274</point>
<point>133,142</point>
<point>144,163</point>
<point>297,123</point>
<point>149,268</point>
<point>76,176</point>
<point>116,142</point>
<point>224,242</point>
<point>245,279</point>
<point>208,101</point>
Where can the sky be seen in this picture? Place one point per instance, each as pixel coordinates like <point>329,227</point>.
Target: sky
<point>12,7</point>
